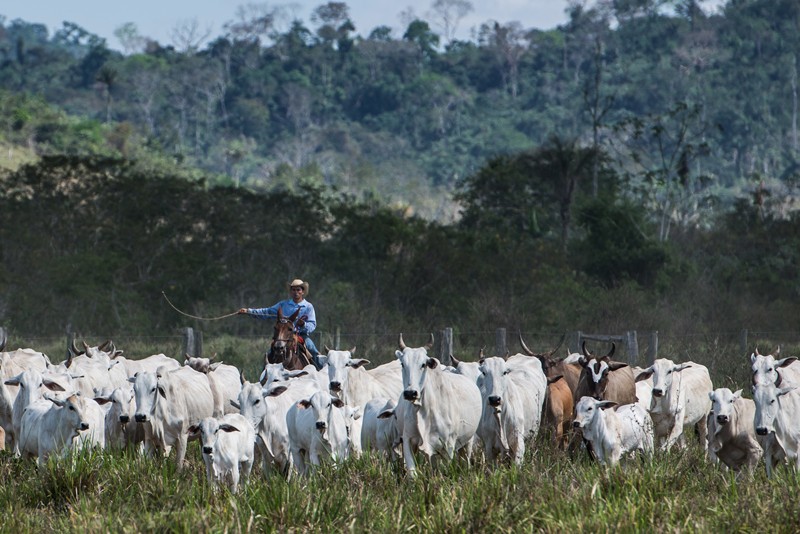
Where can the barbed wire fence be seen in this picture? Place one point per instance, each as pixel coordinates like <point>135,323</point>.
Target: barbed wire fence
<point>726,353</point>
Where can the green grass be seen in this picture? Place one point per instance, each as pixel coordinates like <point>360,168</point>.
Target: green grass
<point>550,492</point>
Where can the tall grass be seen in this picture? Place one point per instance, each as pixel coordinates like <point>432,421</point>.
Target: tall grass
<point>551,492</point>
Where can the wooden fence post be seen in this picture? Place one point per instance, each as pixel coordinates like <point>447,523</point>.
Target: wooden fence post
<point>446,346</point>
<point>192,342</point>
<point>3,338</point>
<point>632,347</point>
<point>743,341</point>
<point>337,338</point>
<point>574,341</point>
<point>652,347</point>
<point>501,346</point>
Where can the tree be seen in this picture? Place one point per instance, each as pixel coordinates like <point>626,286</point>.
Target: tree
<point>131,40</point>
<point>448,14</point>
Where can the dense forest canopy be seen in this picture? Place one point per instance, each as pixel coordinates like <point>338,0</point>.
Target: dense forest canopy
<point>611,170</point>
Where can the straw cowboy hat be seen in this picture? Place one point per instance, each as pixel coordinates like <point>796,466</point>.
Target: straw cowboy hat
<point>297,282</point>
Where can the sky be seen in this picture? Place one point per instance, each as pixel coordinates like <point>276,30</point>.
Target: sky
<point>156,18</point>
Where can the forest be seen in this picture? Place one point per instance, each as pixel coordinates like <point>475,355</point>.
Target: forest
<point>635,167</point>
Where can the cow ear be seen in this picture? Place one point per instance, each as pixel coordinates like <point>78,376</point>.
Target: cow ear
<point>711,396</point>
<point>753,358</point>
<point>681,367</point>
<point>323,360</point>
<point>304,404</point>
<point>162,392</point>
<point>785,361</point>
<point>102,400</point>
<point>57,402</point>
<point>228,428</point>
<point>644,375</point>
<point>14,381</point>
<point>132,379</point>
<point>737,395</point>
<point>52,386</point>
<point>274,392</point>
<point>784,391</point>
<point>432,363</point>
<point>386,414</point>
<point>339,403</point>
<point>235,404</point>
<point>193,430</point>
<point>617,365</point>
<point>214,366</point>
<point>606,404</point>
<point>398,354</point>
<point>554,379</point>
<point>355,364</point>
<point>296,373</point>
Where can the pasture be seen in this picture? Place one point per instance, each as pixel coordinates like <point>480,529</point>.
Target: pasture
<point>551,491</point>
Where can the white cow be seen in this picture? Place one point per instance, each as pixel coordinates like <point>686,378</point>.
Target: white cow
<point>778,412</point>
<point>471,370</point>
<point>731,431</point>
<point>444,408</point>
<point>224,380</point>
<point>783,372</point>
<point>680,400</point>
<point>275,372</point>
<point>12,364</point>
<point>51,425</point>
<point>379,430</point>
<point>513,397</point>
<point>168,403</point>
<point>644,389</point>
<point>120,406</point>
<point>228,448</point>
<point>317,431</point>
<point>356,386</point>
<point>30,383</point>
<point>612,432</point>
<point>149,364</point>
<point>265,410</point>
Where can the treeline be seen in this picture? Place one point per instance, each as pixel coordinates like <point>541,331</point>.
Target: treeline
<point>88,244</point>
<point>707,102</point>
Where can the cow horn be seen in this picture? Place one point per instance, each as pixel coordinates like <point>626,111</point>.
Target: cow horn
<point>777,350</point>
<point>611,352</point>
<point>105,346</point>
<point>560,341</point>
<point>3,339</point>
<point>455,361</point>
<point>429,344</point>
<point>481,354</point>
<point>242,379</point>
<point>85,347</point>
<point>72,349</point>
<point>327,348</point>
<point>757,353</point>
<point>400,342</point>
<point>525,348</point>
<point>585,352</point>
<point>353,350</point>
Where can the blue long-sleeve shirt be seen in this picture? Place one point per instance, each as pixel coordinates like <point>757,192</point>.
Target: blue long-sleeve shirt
<point>288,307</point>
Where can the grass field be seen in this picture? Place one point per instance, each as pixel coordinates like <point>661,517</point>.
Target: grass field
<point>551,492</point>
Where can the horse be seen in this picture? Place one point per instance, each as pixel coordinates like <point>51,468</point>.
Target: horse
<point>287,345</point>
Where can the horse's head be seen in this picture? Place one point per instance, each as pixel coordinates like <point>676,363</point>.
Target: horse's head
<point>283,337</point>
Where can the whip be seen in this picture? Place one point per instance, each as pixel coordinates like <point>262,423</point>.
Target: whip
<point>196,317</point>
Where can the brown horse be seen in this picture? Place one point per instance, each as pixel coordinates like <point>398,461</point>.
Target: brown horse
<point>287,346</point>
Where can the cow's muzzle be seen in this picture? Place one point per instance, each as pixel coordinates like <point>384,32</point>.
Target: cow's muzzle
<point>84,426</point>
<point>761,431</point>
<point>495,401</point>
<point>207,450</point>
<point>410,395</point>
<point>124,419</point>
<point>140,418</point>
<point>658,392</point>
<point>321,425</point>
<point>722,419</point>
<point>576,424</point>
<point>335,386</point>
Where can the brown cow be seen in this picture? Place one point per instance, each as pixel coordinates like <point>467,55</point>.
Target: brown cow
<point>552,367</point>
<point>558,407</point>
<point>604,379</point>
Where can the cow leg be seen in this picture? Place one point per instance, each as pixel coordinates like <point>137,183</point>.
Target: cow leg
<point>408,456</point>
<point>180,450</point>
<point>235,477</point>
<point>702,432</point>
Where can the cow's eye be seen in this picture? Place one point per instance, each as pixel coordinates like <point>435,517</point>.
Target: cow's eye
<point>422,366</point>
<point>72,408</point>
<point>669,372</point>
<point>257,401</point>
<point>508,371</point>
<point>153,390</point>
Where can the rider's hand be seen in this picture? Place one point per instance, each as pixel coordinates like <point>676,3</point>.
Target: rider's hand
<point>242,311</point>
<point>301,322</point>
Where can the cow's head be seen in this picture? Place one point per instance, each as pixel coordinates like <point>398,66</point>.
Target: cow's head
<point>663,372</point>
<point>722,402</point>
<point>323,405</point>
<point>275,373</point>
<point>765,367</point>
<point>147,388</point>
<point>251,402</point>
<point>73,412</point>
<point>208,431</point>
<point>495,373</point>
<point>588,410</point>
<point>201,365</point>
<point>546,358</point>
<point>766,398</point>
<point>597,373</point>
<point>415,364</point>
<point>339,364</point>
<point>121,400</point>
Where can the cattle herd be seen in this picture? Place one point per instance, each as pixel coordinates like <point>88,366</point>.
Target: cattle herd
<point>412,408</point>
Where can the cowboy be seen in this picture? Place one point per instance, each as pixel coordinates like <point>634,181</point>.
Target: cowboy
<point>306,320</point>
